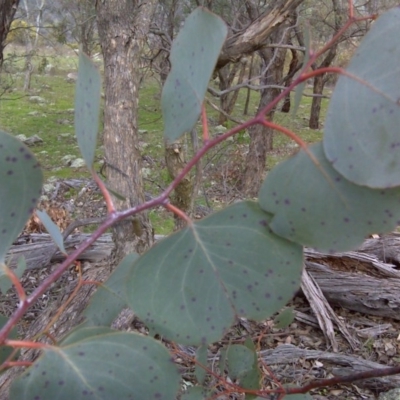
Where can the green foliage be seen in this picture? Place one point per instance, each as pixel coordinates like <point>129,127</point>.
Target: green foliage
<point>109,365</point>
<point>5,282</point>
<point>362,126</point>
<point>6,351</point>
<point>240,363</point>
<point>52,229</point>
<point>284,318</point>
<point>243,261</point>
<point>21,175</point>
<point>196,393</point>
<point>296,194</point>
<point>297,397</point>
<point>109,299</point>
<point>87,108</point>
<point>201,357</point>
<point>192,286</point>
<point>199,43</point>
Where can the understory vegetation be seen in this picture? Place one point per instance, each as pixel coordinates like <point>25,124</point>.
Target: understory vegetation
<point>53,121</point>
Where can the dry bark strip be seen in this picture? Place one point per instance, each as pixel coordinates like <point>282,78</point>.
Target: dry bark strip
<point>326,317</point>
<point>290,357</point>
<point>367,280</point>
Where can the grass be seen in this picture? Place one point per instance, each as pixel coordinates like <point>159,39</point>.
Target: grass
<point>53,122</point>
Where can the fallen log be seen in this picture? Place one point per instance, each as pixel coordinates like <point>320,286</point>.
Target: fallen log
<point>362,280</point>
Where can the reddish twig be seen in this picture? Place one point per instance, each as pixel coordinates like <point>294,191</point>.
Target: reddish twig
<point>375,373</point>
<point>16,282</point>
<point>177,211</point>
<point>104,192</point>
<point>26,344</point>
<point>206,135</point>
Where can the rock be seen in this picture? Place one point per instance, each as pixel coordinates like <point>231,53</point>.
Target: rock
<point>33,113</point>
<point>31,141</point>
<point>393,394</point>
<point>49,68</point>
<point>22,138</point>
<point>64,122</point>
<point>72,77</point>
<point>78,163</point>
<point>48,188</point>
<point>146,172</point>
<point>37,99</point>
<point>67,159</point>
<point>65,134</point>
<point>220,129</point>
<point>142,131</point>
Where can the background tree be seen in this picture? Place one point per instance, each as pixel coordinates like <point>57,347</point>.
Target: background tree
<point>261,137</point>
<point>8,9</point>
<point>34,15</point>
<point>123,27</point>
<point>78,19</point>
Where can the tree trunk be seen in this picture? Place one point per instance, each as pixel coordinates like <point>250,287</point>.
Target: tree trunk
<point>248,91</point>
<point>315,112</point>
<point>261,138</point>
<point>226,80</point>
<point>294,64</point>
<point>254,37</point>
<point>122,29</point>
<point>7,12</point>
<point>182,197</point>
<point>326,62</point>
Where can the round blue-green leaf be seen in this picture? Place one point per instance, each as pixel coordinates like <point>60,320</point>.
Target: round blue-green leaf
<point>109,365</point>
<point>197,393</point>
<point>362,135</point>
<point>6,351</point>
<point>317,207</point>
<point>110,298</point>
<point>87,108</point>
<point>191,287</point>
<point>52,229</point>
<point>21,185</point>
<point>240,363</point>
<point>194,54</point>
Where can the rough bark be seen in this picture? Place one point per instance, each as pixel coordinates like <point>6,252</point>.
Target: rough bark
<point>293,67</point>
<point>256,34</point>
<point>182,196</point>
<point>226,78</point>
<point>7,12</point>
<point>261,138</point>
<point>248,91</point>
<point>122,27</point>
<point>288,360</point>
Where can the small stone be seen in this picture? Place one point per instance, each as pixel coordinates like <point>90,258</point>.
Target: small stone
<point>72,77</point>
<point>78,163</point>
<point>393,394</point>
<point>37,99</point>
<point>67,159</point>
<point>33,113</point>
<point>32,140</point>
<point>22,138</point>
<point>48,187</point>
<point>143,131</point>
<point>220,129</point>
